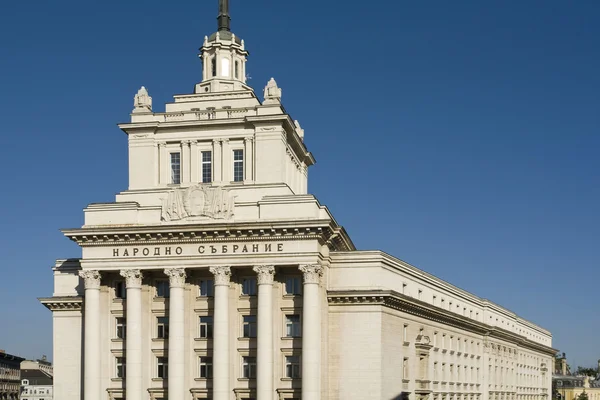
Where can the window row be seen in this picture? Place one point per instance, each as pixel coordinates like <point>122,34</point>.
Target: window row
<point>292,368</point>
<point>292,328</point>
<point>249,287</point>
<point>206,168</point>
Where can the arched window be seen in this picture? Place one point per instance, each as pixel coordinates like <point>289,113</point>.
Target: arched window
<point>237,70</point>
<point>214,66</point>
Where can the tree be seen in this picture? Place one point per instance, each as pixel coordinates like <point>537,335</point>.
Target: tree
<point>583,396</point>
<point>582,371</point>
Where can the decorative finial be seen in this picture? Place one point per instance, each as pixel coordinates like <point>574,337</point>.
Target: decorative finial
<point>142,101</point>
<point>224,20</point>
<point>272,93</point>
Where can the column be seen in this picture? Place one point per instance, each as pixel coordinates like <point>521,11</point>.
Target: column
<point>163,164</point>
<point>194,162</point>
<point>249,159</point>
<point>176,383</point>
<point>311,332</point>
<point>133,341</point>
<point>264,361</point>
<point>216,153</point>
<point>226,162</point>
<point>185,161</point>
<point>221,388</point>
<point>91,365</point>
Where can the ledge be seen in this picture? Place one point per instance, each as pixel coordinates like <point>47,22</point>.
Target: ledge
<point>62,303</point>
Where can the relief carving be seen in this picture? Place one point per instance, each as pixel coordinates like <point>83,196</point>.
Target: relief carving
<point>133,277</point>
<point>312,273</point>
<point>176,276</point>
<point>222,275</point>
<point>198,201</point>
<point>91,278</point>
<point>265,274</point>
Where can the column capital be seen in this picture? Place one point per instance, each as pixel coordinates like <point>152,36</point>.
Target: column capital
<point>312,273</point>
<point>176,276</point>
<point>248,139</point>
<point>265,274</point>
<point>222,275</point>
<point>133,277</point>
<point>91,278</point>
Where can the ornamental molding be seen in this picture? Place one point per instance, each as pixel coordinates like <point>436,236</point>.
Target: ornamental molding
<point>222,275</point>
<point>62,303</point>
<point>133,278</point>
<point>397,301</point>
<point>312,273</point>
<point>265,274</point>
<point>91,278</point>
<point>321,230</point>
<point>176,276</point>
<point>198,201</point>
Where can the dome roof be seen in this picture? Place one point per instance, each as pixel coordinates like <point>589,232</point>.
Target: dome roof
<point>225,35</point>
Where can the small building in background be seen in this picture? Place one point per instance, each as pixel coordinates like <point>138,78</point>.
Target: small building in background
<point>36,380</point>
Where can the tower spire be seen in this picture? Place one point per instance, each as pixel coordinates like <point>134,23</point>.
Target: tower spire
<point>224,20</point>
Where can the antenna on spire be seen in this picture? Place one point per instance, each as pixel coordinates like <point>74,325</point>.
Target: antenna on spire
<point>224,20</point>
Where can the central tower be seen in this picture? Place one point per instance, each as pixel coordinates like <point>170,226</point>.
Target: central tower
<point>223,57</point>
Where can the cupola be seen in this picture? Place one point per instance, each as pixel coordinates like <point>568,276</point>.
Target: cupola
<point>223,57</point>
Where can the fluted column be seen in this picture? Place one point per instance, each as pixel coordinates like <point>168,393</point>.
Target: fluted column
<point>264,362</point>
<point>221,388</point>
<point>311,332</point>
<point>133,337</point>
<point>91,368</point>
<point>176,383</point>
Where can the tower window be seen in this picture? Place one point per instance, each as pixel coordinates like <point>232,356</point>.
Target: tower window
<point>237,70</point>
<point>225,67</point>
<point>249,367</point>
<point>238,165</point>
<point>214,66</point>
<point>206,166</point>
<point>176,168</point>
<point>249,325</point>
<point>205,367</point>
<point>292,366</point>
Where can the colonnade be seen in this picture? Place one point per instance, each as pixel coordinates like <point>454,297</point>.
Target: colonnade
<point>134,387</point>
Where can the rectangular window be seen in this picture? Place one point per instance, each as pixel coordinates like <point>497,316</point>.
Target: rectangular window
<point>292,367</point>
<point>435,339</point>
<point>443,372</point>
<point>405,368</point>
<point>120,291</point>
<point>120,328</point>
<point>205,367</point>
<point>292,325</point>
<point>293,285</point>
<point>435,371</point>
<point>206,288</point>
<point>162,288</point>
<point>162,367</point>
<point>405,333</point>
<point>120,367</point>
<point>434,300</point>
<point>162,327</point>
<point>206,166</point>
<point>205,330</point>
<point>238,165</point>
<point>249,367</point>
<point>249,286</point>
<point>176,168</point>
<point>249,323</point>
<point>419,294</point>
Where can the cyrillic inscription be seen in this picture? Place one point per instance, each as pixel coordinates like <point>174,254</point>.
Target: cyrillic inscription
<point>202,249</point>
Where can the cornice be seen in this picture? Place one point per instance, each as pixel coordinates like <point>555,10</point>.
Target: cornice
<point>320,230</point>
<point>62,303</point>
<point>397,301</point>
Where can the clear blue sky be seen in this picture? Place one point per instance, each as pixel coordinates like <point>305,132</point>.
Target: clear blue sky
<point>462,137</point>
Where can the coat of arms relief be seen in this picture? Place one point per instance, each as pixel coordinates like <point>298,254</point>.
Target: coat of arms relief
<point>198,201</point>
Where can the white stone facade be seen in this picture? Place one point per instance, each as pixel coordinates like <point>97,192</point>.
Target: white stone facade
<point>215,275</point>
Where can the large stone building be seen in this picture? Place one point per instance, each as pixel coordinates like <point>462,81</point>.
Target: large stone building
<point>216,275</point>
<point>10,376</point>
